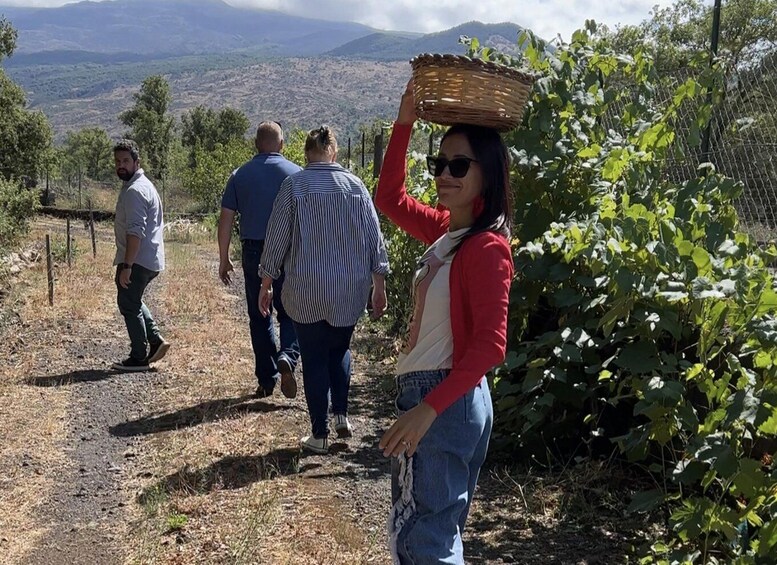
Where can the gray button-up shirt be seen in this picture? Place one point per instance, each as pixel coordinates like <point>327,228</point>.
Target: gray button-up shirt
<point>139,213</point>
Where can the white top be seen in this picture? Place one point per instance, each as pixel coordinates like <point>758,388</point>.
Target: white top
<point>429,345</point>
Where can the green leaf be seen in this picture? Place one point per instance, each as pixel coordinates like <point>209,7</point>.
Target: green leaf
<point>767,539</point>
<point>767,302</point>
<point>701,258</point>
<point>750,478</point>
<point>762,359</point>
<point>767,415</point>
<point>619,310</point>
<point>638,358</point>
<point>646,500</point>
<point>720,456</point>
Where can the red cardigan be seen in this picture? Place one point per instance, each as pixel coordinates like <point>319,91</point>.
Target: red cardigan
<point>481,273</point>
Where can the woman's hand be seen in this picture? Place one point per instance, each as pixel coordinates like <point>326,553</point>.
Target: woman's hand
<point>407,115</point>
<point>265,297</point>
<point>407,431</point>
<point>379,300</point>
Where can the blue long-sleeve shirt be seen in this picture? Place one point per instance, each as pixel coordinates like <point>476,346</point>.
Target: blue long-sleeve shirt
<point>139,213</point>
<point>324,232</point>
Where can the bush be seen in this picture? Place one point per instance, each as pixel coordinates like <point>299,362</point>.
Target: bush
<point>641,320</point>
<point>206,181</point>
<point>17,206</point>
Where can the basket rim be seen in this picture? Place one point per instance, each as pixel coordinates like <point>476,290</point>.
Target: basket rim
<point>459,61</point>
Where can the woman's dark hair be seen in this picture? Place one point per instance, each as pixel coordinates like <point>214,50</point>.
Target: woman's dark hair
<point>320,139</point>
<point>491,154</point>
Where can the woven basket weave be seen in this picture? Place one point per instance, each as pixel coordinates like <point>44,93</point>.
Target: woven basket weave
<point>451,89</point>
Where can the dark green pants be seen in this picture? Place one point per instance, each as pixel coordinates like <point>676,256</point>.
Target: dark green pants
<point>141,327</point>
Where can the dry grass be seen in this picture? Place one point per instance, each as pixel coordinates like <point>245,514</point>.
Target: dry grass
<point>31,456</point>
<point>224,467</point>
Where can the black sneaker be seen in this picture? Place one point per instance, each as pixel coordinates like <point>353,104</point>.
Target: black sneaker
<point>157,350</point>
<point>288,382</point>
<point>261,392</point>
<point>131,365</point>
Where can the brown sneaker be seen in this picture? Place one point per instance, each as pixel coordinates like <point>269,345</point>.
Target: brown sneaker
<point>288,382</point>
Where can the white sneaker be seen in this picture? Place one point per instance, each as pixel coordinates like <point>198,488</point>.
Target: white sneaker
<point>316,445</point>
<point>343,427</point>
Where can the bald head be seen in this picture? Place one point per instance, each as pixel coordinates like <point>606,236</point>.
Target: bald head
<point>269,137</point>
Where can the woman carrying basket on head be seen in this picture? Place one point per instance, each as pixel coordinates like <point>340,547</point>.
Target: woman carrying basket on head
<point>458,333</point>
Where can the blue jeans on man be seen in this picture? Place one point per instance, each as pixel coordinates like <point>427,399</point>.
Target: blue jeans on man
<point>141,327</point>
<point>267,350</point>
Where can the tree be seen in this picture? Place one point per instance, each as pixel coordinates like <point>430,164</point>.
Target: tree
<point>678,33</point>
<point>91,150</point>
<point>7,38</point>
<point>25,140</point>
<point>151,126</point>
<point>24,135</point>
<point>206,180</point>
<point>205,128</point>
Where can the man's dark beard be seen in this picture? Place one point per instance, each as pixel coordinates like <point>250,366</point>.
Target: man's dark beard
<point>124,174</point>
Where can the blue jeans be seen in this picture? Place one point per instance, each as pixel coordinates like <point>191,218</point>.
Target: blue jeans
<point>326,355</point>
<point>141,327</point>
<point>263,339</point>
<point>432,491</point>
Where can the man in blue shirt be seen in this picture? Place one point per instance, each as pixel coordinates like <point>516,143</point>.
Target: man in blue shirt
<point>251,191</point>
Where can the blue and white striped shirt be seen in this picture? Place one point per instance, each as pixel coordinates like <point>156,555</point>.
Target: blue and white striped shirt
<point>324,232</point>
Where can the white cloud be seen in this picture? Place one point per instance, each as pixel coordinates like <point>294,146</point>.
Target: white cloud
<point>547,18</point>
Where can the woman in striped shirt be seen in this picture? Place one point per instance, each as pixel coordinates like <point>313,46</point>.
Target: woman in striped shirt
<point>324,233</point>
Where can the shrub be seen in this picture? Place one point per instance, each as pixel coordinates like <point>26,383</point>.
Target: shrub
<point>641,319</point>
<point>17,206</point>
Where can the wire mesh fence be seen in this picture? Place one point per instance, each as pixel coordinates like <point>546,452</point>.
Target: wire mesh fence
<point>742,142</point>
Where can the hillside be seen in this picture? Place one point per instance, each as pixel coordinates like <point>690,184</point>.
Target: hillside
<point>80,63</point>
<point>298,92</point>
<point>393,47</point>
<point>174,27</point>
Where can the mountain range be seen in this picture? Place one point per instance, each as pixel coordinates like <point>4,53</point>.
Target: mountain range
<point>73,59</point>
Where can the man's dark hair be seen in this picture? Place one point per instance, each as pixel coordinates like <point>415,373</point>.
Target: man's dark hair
<point>128,145</point>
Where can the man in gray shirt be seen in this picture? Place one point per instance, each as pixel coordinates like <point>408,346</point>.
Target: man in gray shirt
<point>140,256</point>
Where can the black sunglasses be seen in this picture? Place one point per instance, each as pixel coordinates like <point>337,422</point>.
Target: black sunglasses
<point>458,167</point>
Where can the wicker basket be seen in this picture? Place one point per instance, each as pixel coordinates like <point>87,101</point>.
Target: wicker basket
<point>451,89</point>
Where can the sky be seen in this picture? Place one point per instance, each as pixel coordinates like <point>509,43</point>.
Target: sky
<point>547,18</point>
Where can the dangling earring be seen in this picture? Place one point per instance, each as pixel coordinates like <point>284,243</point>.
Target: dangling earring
<point>478,205</point>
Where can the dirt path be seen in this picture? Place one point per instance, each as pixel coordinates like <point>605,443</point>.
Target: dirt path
<point>183,465</point>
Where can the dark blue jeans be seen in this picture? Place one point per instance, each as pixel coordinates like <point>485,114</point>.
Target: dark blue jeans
<point>263,338</point>
<point>326,354</point>
<point>141,327</point>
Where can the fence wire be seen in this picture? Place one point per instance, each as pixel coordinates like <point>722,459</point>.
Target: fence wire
<point>742,143</point>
